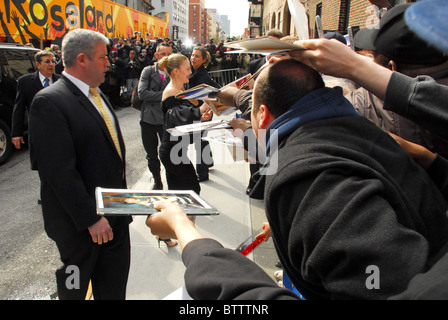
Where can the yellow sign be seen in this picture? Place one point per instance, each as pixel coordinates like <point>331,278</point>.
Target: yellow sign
<point>25,21</point>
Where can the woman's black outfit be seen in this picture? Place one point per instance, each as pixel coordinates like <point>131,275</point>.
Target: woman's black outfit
<point>204,158</point>
<point>180,172</point>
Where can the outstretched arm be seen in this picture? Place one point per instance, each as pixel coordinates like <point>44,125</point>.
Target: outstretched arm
<point>333,58</point>
<point>213,272</point>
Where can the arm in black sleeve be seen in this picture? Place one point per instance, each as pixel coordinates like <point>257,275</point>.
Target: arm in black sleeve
<point>214,272</point>
<point>438,171</point>
<point>20,106</point>
<point>419,99</point>
<point>431,285</point>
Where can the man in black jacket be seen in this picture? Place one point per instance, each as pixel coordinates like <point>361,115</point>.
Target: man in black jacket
<point>132,71</point>
<point>27,87</point>
<point>344,199</point>
<point>78,146</point>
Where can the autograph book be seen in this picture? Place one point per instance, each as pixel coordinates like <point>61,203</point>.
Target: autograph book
<point>202,92</point>
<point>199,92</point>
<point>125,202</point>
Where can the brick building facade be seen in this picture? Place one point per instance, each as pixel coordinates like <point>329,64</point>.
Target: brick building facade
<point>197,21</point>
<point>336,15</point>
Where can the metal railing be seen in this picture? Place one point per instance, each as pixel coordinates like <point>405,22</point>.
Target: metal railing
<point>225,76</point>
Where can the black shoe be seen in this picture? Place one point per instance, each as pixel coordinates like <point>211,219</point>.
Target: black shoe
<point>202,178</point>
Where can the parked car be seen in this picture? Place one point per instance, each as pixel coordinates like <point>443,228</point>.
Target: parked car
<point>15,61</point>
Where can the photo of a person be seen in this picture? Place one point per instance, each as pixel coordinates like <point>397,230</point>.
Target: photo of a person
<point>131,202</point>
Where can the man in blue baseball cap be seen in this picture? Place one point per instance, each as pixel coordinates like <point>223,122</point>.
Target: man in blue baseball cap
<point>419,99</point>
<point>396,47</point>
<point>428,20</point>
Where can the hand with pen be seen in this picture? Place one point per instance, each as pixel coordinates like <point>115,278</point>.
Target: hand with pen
<point>266,233</point>
<point>239,125</point>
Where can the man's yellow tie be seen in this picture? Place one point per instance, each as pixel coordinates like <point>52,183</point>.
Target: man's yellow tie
<point>106,117</point>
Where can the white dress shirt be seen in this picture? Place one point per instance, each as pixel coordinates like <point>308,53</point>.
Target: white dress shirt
<point>84,87</point>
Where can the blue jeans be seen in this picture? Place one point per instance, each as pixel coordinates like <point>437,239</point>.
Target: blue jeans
<point>131,84</point>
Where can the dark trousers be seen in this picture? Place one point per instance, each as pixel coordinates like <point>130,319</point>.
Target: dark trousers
<point>179,176</point>
<point>106,265</point>
<point>204,158</point>
<point>114,96</point>
<point>150,138</point>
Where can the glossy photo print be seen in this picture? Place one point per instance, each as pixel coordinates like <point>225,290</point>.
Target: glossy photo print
<point>141,202</point>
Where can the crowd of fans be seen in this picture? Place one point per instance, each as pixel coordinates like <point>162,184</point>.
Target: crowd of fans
<point>128,58</point>
<point>361,176</point>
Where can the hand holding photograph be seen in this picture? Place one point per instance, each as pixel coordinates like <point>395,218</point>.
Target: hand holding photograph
<point>264,45</point>
<point>119,202</point>
<point>199,92</point>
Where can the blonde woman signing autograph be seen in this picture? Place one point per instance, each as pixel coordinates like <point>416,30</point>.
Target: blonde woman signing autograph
<point>179,176</point>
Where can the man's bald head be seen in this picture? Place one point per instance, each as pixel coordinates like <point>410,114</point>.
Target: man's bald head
<point>284,83</point>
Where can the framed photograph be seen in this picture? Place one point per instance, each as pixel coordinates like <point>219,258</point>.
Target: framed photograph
<point>141,202</point>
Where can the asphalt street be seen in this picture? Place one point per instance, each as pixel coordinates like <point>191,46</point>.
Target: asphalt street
<point>28,258</point>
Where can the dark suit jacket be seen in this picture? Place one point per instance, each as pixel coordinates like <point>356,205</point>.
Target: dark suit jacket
<point>75,154</point>
<point>27,87</point>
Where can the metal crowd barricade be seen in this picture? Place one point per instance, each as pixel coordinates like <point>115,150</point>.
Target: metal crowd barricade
<point>225,76</point>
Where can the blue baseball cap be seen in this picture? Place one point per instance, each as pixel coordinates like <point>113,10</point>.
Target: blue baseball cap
<point>335,35</point>
<point>428,20</point>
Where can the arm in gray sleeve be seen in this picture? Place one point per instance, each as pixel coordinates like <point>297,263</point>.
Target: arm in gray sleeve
<point>144,87</point>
